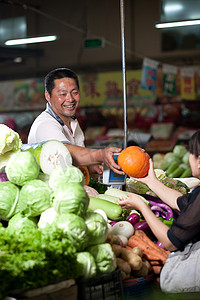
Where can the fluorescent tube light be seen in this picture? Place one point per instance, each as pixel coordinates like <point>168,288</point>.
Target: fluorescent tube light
<point>23,41</point>
<point>178,24</point>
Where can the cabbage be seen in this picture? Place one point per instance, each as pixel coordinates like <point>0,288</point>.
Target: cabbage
<point>9,140</point>
<point>179,151</point>
<point>71,198</point>
<point>10,143</point>
<point>185,158</point>
<point>75,229</point>
<point>34,198</point>
<point>9,195</point>
<point>170,157</point>
<point>97,228</point>
<point>104,257</point>
<point>135,186</point>
<point>22,167</point>
<point>65,175</point>
<point>19,223</point>
<point>47,217</point>
<point>87,264</point>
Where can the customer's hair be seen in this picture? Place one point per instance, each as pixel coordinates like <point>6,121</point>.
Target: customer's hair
<point>194,144</point>
<point>58,74</point>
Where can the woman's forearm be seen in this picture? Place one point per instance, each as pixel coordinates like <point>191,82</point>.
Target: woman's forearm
<point>166,194</point>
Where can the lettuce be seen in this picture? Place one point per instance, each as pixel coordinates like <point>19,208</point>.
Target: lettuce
<point>71,198</point>
<point>10,143</point>
<point>104,258</point>
<point>74,227</point>
<point>64,175</point>
<point>19,223</point>
<point>87,264</point>
<point>9,197</point>
<point>97,228</point>
<point>34,198</point>
<point>21,168</point>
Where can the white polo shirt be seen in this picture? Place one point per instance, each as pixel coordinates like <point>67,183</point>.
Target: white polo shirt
<point>48,127</point>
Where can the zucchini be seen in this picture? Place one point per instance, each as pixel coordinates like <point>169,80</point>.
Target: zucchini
<point>119,193</point>
<point>173,166</point>
<point>186,173</point>
<point>108,198</point>
<point>113,211</point>
<point>177,172</point>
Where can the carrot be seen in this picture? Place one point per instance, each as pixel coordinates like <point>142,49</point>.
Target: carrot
<point>143,235</point>
<point>150,252</point>
<point>157,269</point>
<point>154,262</point>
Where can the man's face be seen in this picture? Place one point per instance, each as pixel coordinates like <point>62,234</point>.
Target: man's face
<point>65,97</point>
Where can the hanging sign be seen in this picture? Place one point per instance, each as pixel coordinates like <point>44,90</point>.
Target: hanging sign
<point>187,83</point>
<point>169,80</point>
<point>149,72</point>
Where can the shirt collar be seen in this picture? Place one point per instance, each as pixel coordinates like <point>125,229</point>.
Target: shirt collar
<point>50,111</point>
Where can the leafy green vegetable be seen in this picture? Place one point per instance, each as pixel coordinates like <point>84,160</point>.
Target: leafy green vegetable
<point>9,196</point>
<point>99,187</point>
<point>74,227</point>
<point>97,228</point>
<point>47,217</point>
<point>64,175</point>
<point>104,258</point>
<point>179,151</point>
<point>10,143</point>
<point>19,223</point>
<point>21,168</point>
<point>34,259</point>
<point>34,198</point>
<point>87,264</point>
<point>185,158</point>
<point>71,198</point>
<point>135,186</point>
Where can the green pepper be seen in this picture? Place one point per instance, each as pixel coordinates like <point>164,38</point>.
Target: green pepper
<point>168,222</point>
<point>161,219</point>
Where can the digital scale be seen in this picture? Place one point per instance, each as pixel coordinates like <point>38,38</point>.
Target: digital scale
<point>111,178</point>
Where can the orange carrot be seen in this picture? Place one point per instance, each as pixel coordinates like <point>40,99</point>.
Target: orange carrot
<point>149,252</point>
<point>143,236</point>
<point>157,269</point>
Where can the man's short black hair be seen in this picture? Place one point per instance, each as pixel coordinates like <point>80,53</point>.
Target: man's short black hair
<point>58,74</point>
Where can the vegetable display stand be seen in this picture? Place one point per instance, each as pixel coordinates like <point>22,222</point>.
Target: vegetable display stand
<point>106,287</point>
<point>138,288</point>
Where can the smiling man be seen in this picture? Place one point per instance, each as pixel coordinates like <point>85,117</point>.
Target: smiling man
<point>59,122</point>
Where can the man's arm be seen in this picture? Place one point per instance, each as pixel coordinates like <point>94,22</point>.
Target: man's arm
<point>85,157</point>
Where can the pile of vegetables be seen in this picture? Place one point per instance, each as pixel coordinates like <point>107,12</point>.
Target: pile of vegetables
<point>175,163</point>
<point>48,233</point>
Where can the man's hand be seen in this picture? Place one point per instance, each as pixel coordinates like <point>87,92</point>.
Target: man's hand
<point>109,161</point>
<point>95,171</point>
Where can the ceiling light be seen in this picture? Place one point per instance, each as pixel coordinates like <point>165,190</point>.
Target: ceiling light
<point>23,41</point>
<point>178,24</point>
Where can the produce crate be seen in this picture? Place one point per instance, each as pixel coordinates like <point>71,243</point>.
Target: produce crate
<point>106,287</point>
<point>138,288</point>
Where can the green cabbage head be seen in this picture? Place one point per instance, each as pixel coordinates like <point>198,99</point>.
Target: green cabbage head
<point>74,227</point>
<point>9,196</point>
<point>19,223</point>
<point>104,257</point>
<point>34,198</point>
<point>71,198</point>
<point>22,167</point>
<point>97,228</point>
<point>87,264</point>
<point>65,175</point>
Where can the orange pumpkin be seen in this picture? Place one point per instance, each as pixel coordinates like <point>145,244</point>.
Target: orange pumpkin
<point>85,171</point>
<point>134,161</point>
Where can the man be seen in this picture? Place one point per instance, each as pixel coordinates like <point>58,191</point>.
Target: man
<point>58,122</point>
